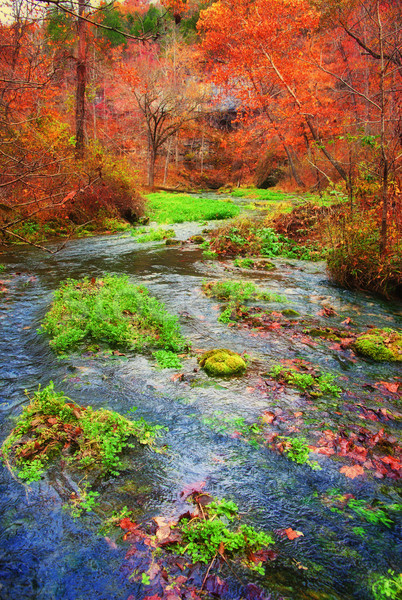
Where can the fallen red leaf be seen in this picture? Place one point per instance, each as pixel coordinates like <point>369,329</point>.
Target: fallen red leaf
<point>127,524</point>
<point>394,463</point>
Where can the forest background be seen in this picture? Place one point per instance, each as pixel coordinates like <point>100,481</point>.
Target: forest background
<point>99,103</point>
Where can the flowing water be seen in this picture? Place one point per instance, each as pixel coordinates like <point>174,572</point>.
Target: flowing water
<point>45,554</point>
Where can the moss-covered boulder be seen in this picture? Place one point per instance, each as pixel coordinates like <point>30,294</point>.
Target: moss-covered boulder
<point>380,344</point>
<point>289,312</point>
<point>222,362</point>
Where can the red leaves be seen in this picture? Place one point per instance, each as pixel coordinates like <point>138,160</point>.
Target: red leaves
<point>327,311</point>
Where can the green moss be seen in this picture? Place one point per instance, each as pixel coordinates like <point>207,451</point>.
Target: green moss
<point>289,312</point>
<point>380,344</point>
<point>222,362</point>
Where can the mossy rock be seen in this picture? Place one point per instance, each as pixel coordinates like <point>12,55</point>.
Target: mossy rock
<point>326,333</point>
<point>172,242</point>
<point>222,362</point>
<point>289,312</point>
<point>380,344</point>
<point>197,239</point>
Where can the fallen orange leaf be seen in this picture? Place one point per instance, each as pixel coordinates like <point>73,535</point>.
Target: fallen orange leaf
<point>292,534</point>
<point>352,472</point>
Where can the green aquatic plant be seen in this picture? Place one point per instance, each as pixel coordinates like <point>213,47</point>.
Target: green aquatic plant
<point>84,501</point>
<point>167,359</point>
<point>222,362</point>
<point>212,534</point>
<point>52,426</point>
<point>297,450</point>
<point>152,235</point>
<point>222,423</point>
<point>314,383</point>
<point>239,291</point>
<point>380,344</point>
<point>112,312</point>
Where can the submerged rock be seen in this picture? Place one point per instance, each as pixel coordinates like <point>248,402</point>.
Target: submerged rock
<point>380,344</point>
<point>222,362</point>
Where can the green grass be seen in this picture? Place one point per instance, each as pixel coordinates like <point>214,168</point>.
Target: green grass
<point>110,312</point>
<point>165,207</point>
<point>257,194</point>
<point>53,426</point>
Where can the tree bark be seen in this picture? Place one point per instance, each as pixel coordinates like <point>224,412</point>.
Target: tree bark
<point>81,84</point>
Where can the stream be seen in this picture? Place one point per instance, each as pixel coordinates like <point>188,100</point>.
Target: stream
<point>46,554</point>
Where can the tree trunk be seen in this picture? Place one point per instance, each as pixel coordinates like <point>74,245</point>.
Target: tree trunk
<point>151,166</point>
<point>81,84</point>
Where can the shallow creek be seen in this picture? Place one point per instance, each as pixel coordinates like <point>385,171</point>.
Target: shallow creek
<point>45,554</point>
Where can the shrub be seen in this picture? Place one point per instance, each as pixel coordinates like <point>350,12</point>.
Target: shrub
<point>354,258</point>
<point>112,312</point>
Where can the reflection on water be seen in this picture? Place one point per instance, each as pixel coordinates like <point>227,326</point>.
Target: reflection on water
<point>45,554</point>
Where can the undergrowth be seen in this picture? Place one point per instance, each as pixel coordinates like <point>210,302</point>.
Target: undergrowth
<point>53,426</point>
<point>112,312</point>
<point>246,237</point>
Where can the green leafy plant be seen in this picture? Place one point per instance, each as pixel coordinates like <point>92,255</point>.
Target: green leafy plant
<point>244,263</point>
<point>84,501</point>
<point>313,382</point>
<point>369,513</point>
<point>388,587</point>
<point>167,359</point>
<point>297,450</point>
<point>112,312</point>
<point>221,423</point>
<point>212,534</point>
<point>53,425</point>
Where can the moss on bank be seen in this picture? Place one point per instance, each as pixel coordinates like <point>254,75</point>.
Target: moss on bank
<point>380,344</point>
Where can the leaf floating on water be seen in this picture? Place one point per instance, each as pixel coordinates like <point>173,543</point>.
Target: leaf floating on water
<point>292,534</point>
<point>352,472</point>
